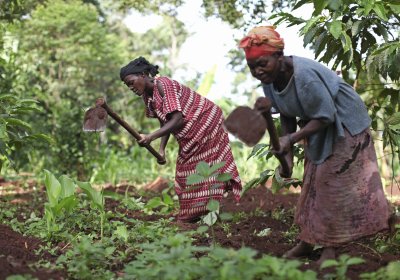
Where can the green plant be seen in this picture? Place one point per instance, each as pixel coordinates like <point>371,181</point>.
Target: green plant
<point>165,201</point>
<point>61,198</point>
<point>97,201</point>
<point>341,265</point>
<point>203,173</point>
<point>390,272</point>
<point>88,260</point>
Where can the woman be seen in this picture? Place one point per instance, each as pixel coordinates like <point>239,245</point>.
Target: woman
<point>196,123</point>
<point>342,198</point>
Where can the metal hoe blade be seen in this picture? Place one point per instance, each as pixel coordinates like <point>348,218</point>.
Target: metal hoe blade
<point>95,119</point>
<point>246,124</point>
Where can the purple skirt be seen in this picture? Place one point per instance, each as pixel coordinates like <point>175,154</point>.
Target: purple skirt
<point>342,199</point>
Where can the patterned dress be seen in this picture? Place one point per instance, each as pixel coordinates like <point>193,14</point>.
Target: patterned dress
<point>202,138</point>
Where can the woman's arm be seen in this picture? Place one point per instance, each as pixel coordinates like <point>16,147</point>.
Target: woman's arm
<point>290,137</point>
<point>175,122</point>
<point>164,141</point>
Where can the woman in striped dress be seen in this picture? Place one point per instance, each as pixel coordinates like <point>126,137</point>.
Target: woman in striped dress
<point>196,123</point>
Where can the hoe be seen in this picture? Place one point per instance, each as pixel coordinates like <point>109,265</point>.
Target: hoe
<point>96,118</point>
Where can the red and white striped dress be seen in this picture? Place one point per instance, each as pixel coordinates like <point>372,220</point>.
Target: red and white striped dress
<point>202,138</point>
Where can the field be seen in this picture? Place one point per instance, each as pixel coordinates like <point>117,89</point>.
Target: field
<point>261,225</point>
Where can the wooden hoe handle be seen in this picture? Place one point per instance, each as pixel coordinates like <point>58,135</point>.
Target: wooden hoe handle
<point>101,102</point>
<point>273,135</point>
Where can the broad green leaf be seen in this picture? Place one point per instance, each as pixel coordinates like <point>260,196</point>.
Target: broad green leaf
<point>17,122</point>
<point>194,179</point>
<point>202,229</point>
<point>329,263</point>
<point>53,188</point>
<point>335,28</point>
<point>369,5</point>
<point>356,27</point>
<point>226,216</point>
<point>154,203</point>
<point>48,213</point>
<point>40,137</point>
<point>393,119</point>
<point>210,218</point>
<point>213,205</point>
<point>393,270</point>
<point>380,11</point>
<point>217,166</point>
<point>346,41</point>
<point>355,261</point>
<point>122,232</point>
<point>319,5</point>
<point>250,184</point>
<point>334,4</point>
<point>395,8</point>
<point>8,97</point>
<point>67,186</point>
<point>256,150</point>
<point>95,196</point>
<point>224,177</point>
<point>167,199</point>
<point>310,24</point>
<point>67,203</point>
<point>203,169</point>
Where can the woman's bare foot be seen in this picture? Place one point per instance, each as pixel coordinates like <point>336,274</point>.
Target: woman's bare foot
<point>328,253</point>
<point>301,249</point>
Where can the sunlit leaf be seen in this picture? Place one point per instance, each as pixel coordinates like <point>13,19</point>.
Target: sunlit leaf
<point>213,205</point>
<point>202,168</point>
<point>217,166</point>
<point>224,177</point>
<point>194,179</point>
<point>335,28</point>
<point>53,188</point>
<point>210,218</point>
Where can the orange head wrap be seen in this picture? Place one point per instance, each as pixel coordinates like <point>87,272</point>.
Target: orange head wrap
<point>261,40</point>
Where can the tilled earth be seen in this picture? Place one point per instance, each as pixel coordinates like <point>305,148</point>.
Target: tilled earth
<point>258,212</point>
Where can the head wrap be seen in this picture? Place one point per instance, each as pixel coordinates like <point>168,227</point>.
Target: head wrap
<point>261,40</point>
<point>137,66</point>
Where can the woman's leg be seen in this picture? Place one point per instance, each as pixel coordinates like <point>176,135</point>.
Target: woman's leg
<point>301,249</point>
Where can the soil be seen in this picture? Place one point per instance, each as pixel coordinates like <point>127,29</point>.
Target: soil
<point>259,208</point>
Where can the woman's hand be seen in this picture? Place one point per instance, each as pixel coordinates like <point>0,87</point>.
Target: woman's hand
<point>162,153</point>
<point>145,139</point>
<point>285,146</point>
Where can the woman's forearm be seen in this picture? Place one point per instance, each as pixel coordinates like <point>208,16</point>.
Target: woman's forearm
<point>175,122</point>
<point>310,128</point>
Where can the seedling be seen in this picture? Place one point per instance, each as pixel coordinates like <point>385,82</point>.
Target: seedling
<point>203,173</point>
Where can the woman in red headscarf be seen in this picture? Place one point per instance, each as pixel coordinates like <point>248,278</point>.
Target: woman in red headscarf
<point>196,123</point>
<point>342,198</point>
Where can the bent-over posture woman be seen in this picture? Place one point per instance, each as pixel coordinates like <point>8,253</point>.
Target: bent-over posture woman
<point>196,123</point>
<point>342,198</point>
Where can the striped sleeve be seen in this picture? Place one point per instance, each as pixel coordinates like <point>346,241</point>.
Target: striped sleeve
<point>171,102</point>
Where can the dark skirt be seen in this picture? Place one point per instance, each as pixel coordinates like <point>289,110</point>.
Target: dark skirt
<point>342,199</point>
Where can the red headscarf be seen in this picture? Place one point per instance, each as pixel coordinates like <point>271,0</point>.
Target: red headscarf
<point>261,40</point>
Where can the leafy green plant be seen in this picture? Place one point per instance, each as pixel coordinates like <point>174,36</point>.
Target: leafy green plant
<point>97,201</point>
<point>61,198</point>
<point>88,260</point>
<point>390,272</point>
<point>175,258</point>
<point>166,201</point>
<point>203,173</point>
<point>278,182</point>
<point>341,265</point>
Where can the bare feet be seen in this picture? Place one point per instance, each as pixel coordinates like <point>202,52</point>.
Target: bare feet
<point>301,249</point>
<point>328,253</point>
